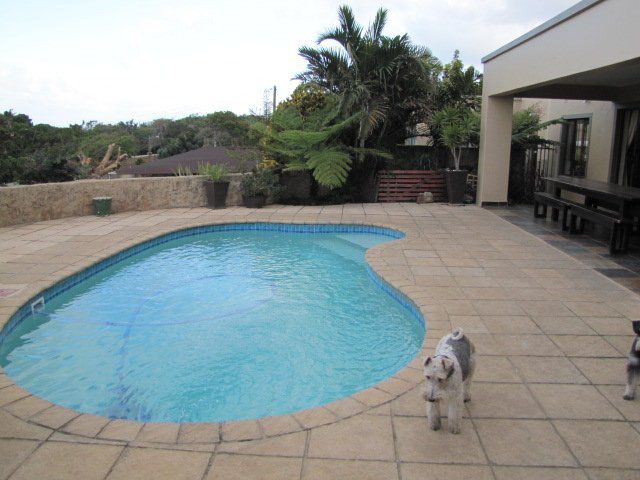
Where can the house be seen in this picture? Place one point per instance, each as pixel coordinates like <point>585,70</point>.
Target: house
<point>582,65</point>
<point>587,125</point>
<point>237,159</point>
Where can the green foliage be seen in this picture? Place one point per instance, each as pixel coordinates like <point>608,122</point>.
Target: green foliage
<point>261,182</point>
<point>182,172</point>
<point>222,129</point>
<point>375,76</point>
<point>214,173</point>
<point>36,153</point>
<point>184,142</point>
<point>42,153</point>
<point>378,80</point>
<point>311,142</point>
<point>306,99</point>
<point>330,166</point>
<point>525,128</point>
<point>458,86</point>
<point>458,126</point>
<point>95,142</point>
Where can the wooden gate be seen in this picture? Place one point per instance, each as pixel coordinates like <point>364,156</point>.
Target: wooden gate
<point>405,185</point>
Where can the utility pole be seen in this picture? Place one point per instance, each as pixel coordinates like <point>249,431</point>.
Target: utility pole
<point>274,99</point>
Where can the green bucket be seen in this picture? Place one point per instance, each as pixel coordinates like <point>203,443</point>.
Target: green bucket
<point>102,206</point>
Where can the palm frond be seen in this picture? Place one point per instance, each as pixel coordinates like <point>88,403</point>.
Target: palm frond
<point>374,32</point>
<point>371,152</point>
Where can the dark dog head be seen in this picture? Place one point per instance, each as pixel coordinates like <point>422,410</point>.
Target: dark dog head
<point>636,326</point>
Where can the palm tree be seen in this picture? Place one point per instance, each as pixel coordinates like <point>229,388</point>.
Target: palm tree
<point>378,78</point>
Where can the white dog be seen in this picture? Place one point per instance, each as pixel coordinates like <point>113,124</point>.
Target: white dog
<point>448,377</point>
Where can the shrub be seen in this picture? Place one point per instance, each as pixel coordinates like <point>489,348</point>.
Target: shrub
<point>214,173</point>
<point>261,182</point>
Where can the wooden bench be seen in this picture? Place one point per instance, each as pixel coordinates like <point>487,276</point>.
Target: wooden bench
<point>619,228</point>
<point>557,204</point>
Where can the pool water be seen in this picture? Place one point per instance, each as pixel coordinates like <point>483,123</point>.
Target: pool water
<point>217,326</point>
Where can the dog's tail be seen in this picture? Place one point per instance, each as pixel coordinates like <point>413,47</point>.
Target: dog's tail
<point>457,334</point>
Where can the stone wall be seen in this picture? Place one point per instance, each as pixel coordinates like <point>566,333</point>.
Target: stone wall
<point>48,201</point>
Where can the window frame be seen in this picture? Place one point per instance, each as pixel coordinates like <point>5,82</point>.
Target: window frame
<point>570,156</point>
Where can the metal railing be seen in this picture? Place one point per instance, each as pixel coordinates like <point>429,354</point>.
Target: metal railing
<point>528,167</point>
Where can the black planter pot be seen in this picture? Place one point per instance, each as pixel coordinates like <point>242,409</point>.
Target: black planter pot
<point>254,201</point>
<point>456,185</point>
<point>216,193</point>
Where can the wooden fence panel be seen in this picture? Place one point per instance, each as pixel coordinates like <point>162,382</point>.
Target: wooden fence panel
<point>405,185</point>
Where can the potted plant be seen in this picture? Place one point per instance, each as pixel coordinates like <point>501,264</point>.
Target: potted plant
<point>102,206</point>
<point>258,186</point>
<point>216,184</point>
<point>458,125</point>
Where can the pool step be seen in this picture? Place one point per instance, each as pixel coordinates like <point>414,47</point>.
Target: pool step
<point>342,247</point>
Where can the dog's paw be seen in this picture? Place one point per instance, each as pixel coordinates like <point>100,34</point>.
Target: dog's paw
<point>435,424</point>
<point>454,428</point>
<point>468,399</point>
<point>628,397</point>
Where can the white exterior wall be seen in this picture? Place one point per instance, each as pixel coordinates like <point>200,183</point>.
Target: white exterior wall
<point>603,35</point>
<point>601,128</point>
<point>585,53</point>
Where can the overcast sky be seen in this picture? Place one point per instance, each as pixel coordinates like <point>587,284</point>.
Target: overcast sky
<point>67,61</point>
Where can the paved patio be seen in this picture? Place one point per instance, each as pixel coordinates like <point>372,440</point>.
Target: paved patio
<point>552,334</point>
<point>591,248</point>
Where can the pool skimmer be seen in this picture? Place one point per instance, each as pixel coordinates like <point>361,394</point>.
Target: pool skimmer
<point>37,306</point>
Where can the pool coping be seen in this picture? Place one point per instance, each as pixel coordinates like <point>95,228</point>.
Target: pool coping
<point>65,422</point>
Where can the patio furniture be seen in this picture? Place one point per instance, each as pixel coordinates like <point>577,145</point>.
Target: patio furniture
<point>557,204</point>
<point>607,204</point>
<point>619,228</point>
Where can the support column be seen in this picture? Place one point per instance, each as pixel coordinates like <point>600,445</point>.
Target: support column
<point>495,150</point>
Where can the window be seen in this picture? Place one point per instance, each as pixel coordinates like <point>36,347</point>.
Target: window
<point>574,147</point>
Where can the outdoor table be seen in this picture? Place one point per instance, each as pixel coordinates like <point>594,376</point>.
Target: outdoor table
<point>624,201</point>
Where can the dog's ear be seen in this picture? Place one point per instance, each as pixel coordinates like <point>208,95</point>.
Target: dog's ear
<point>448,365</point>
<point>636,326</point>
<point>426,361</point>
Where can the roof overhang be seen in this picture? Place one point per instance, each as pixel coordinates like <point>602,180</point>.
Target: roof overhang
<point>548,25</point>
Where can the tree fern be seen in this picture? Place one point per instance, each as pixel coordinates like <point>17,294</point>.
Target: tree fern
<point>330,166</point>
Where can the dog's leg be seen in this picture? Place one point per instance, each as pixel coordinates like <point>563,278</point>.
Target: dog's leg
<point>466,385</point>
<point>454,417</point>
<point>633,376</point>
<point>433,414</point>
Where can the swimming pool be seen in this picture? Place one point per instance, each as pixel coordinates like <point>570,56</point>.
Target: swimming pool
<point>217,323</point>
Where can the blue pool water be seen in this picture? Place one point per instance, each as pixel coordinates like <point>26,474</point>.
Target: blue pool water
<point>217,326</point>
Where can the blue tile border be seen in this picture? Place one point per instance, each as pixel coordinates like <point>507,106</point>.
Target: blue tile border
<point>397,295</point>
<point>51,292</point>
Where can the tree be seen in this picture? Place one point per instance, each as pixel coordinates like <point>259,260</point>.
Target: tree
<point>458,126</point>
<point>304,134</point>
<point>306,99</point>
<point>458,86</point>
<point>525,140</point>
<point>525,127</point>
<point>379,79</point>
<point>36,153</point>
